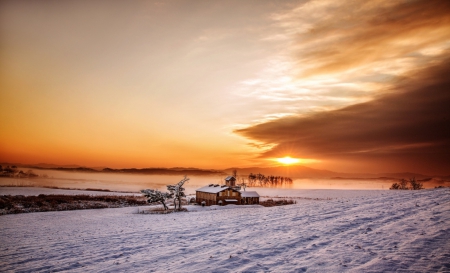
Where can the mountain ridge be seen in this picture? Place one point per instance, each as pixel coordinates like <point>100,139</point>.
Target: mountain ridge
<point>297,171</point>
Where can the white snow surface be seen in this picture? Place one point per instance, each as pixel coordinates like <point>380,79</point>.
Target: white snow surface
<point>386,231</point>
<point>212,189</point>
<point>249,194</point>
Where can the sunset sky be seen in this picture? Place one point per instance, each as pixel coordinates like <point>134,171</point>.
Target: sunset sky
<point>351,86</point>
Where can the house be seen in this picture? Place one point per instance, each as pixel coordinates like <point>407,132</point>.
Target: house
<point>217,195</point>
<point>249,197</point>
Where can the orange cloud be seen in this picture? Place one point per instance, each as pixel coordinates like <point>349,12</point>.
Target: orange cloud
<point>405,130</point>
<point>358,33</point>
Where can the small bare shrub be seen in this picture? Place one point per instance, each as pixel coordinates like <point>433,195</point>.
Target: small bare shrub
<point>403,185</point>
<point>415,185</point>
<point>272,203</point>
<point>163,211</point>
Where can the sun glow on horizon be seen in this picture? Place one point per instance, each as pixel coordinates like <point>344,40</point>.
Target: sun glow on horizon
<point>287,160</point>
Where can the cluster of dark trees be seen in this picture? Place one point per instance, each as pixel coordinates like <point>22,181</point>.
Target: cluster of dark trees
<point>260,180</point>
<point>13,171</point>
<point>412,184</point>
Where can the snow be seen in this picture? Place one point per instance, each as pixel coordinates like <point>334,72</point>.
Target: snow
<point>381,231</point>
<point>212,189</point>
<point>217,207</point>
<point>249,194</point>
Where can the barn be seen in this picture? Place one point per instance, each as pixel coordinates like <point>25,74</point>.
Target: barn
<point>214,194</point>
<point>218,195</point>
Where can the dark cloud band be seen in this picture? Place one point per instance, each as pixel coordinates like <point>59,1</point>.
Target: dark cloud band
<point>408,128</point>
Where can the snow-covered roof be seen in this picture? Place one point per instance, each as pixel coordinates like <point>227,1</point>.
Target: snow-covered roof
<point>230,178</point>
<point>249,194</point>
<point>212,189</point>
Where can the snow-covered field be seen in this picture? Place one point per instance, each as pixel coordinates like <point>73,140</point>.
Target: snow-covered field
<point>264,192</point>
<point>384,231</point>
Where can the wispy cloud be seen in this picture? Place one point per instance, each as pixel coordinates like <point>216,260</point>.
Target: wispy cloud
<point>336,54</point>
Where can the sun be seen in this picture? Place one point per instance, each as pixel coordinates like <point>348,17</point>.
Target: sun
<point>287,160</point>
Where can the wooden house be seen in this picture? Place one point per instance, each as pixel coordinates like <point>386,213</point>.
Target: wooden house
<point>217,195</point>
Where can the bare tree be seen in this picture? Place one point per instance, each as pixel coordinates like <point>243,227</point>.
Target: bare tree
<point>177,191</point>
<point>242,183</point>
<point>395,186</point>
<point>261,179</point>
<point>415,185</point>
<point>251,179</point>
<point>155,196</point>
<point>403,184</point>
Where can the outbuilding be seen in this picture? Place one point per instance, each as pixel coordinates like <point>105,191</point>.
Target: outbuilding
<point>249,197</point>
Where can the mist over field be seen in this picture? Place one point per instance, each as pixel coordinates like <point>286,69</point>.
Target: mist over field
<point>137,182</point>
<point>109,181</point>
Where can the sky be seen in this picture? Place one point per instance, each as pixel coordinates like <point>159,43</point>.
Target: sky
<point>351,86</point>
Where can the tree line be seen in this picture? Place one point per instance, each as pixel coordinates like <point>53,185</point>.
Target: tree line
<point>260,180</point>
<point>13,171</point>
<point>412,184</point>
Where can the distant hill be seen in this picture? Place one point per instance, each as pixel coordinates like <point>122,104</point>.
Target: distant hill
<point>287,171</point>
<point>40,165</point>
<point>176,171</point>
<point>77,168</point>
<point>396,175</point>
